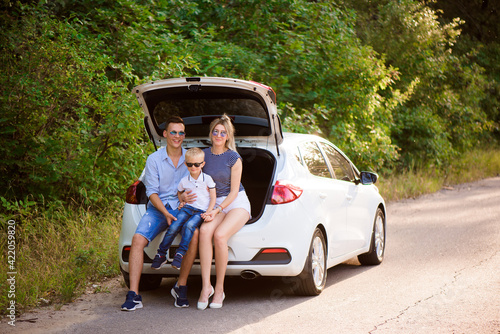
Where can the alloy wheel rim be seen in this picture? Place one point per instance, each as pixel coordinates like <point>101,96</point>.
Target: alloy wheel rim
<point>379,237</point>
<point>318,262</point>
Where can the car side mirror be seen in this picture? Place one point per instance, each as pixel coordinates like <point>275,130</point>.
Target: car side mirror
<point>368,178</point>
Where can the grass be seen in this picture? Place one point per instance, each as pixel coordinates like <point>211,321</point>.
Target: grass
<point>62,250</point>
<point>59,252</point>
<point>469,167</point>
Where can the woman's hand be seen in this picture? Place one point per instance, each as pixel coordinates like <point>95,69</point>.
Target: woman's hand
<point>210,215</point>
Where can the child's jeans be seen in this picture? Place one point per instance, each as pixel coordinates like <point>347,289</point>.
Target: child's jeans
<point>188,220</point>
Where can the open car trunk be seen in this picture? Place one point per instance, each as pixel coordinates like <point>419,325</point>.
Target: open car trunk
<point>250,105</point>
<point>258,171</point>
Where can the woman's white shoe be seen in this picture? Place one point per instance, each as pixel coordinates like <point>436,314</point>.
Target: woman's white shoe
<point>217,305</point>
<point>203,305</point>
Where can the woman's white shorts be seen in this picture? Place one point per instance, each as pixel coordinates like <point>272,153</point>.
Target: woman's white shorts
<point>241,201</point>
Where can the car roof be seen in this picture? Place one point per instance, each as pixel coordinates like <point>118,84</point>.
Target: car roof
<point>295,139</point>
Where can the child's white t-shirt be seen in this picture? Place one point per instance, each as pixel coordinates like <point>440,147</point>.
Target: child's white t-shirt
<point>199,187</point>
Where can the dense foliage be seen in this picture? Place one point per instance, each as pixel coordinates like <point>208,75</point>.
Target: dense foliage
<point>392,83</point>
<point>444,114</point>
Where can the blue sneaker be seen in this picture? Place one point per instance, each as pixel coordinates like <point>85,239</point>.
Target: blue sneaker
<point>176,263</point>
<point>158,261</point>
<point>180,295</point>
<point>132,302</point>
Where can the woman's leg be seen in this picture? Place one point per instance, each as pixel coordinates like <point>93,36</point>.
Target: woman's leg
<point>206,254</point>
<point>232,223</point>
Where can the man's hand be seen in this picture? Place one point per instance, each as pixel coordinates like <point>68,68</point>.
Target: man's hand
<point>170,218</point>
<point>188,197</point>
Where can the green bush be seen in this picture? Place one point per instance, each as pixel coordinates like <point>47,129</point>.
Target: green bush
<point>69,131</point>
<point>444,113</point>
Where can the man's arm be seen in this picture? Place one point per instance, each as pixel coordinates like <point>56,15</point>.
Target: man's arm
<point>179,196</point>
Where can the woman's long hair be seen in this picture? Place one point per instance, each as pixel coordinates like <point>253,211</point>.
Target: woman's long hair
<point>226,122</point>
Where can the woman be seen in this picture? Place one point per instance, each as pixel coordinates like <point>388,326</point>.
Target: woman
<point>230,214</point>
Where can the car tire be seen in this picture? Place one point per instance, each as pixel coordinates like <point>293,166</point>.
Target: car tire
<point>377,245</point>
<point>312,280</point>
<point>148,281</point>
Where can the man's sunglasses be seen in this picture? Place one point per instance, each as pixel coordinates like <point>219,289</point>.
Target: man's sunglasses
<point>181,133</point>
<point>196,164</point>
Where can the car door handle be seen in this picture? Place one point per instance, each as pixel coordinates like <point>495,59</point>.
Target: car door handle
<point>322,195</point>
<point>349,197</point>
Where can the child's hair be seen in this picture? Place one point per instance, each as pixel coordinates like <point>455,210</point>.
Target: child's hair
<point>226,122</point>
<point>194,153</point>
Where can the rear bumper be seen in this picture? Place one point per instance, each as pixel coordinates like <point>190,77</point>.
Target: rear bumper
<point>268,247</point>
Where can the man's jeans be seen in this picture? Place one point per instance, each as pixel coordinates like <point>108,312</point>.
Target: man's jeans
<point>188,220</point>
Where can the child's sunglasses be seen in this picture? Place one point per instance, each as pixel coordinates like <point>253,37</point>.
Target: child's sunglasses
<point>196,164</point>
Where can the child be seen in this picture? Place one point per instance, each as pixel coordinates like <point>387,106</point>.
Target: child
<point>191,215</point>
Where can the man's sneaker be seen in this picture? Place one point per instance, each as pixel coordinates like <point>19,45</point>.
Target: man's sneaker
<point>180,295</point>
<point>132,302</point>
<point>176,263</point>
<point>158,261</point>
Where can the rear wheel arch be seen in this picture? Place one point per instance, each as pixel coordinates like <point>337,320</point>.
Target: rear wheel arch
<point>322,228</point>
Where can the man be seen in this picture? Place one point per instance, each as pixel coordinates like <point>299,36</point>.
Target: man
<point>164,169</point>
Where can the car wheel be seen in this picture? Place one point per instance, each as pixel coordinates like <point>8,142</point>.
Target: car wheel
<point>312,280</point>
<point>148,281</point>
<point>377,246</point>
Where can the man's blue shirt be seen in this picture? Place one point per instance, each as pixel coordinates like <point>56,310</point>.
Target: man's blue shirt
<point>162,177</point>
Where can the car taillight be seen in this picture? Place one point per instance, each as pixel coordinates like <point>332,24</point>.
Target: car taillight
<point>285,192</point>
<point>131,196</point>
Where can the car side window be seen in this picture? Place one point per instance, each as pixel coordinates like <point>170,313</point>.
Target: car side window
<point>314,160</point>
<point>341,167</point>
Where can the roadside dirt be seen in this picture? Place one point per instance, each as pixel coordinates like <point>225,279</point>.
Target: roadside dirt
<point>55,318</point>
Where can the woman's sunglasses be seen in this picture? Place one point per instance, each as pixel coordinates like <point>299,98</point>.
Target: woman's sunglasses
<point>174,133</point>
<point>196,164</point>
<point>215,133</point>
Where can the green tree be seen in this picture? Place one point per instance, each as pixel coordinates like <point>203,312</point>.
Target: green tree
<point>68,130</point>
<point>443,115</point>
<point>310,54</point>
<point>479,43</point>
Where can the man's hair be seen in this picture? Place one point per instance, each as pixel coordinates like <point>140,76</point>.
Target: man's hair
<point>194,153</point>
<point>173,119</point>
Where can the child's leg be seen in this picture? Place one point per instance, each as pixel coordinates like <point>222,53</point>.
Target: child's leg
<point>172,232</point>
<point>188,230</point>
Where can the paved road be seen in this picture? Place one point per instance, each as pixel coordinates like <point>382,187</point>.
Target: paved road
<point>441,274</point>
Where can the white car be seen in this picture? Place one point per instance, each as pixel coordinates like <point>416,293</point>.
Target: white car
<point>311,207</point>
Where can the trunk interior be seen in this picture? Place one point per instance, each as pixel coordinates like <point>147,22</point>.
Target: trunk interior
<point>258,171</point>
